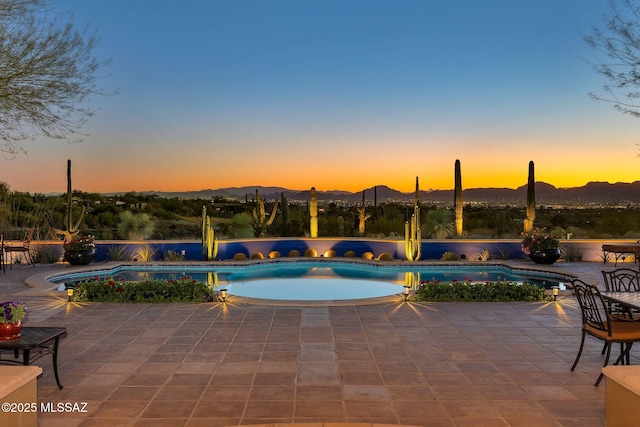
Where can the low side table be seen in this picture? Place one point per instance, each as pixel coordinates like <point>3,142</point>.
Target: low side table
<point>34,342</point>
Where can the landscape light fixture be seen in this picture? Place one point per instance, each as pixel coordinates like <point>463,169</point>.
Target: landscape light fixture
<point>223,295</point>
<point>407,290</point>
<point>555,291</point>
<point>69,293</point>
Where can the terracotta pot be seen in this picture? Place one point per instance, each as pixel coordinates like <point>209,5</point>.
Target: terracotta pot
<point>546,256</point>
<point>10,331</point>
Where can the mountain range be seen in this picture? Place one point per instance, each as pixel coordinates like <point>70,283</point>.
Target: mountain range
<point>604,193</point>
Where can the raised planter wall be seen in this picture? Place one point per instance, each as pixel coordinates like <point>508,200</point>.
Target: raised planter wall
<point>431,249</point>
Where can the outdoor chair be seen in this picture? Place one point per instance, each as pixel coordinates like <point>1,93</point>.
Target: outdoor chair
<point>23,248</point>
<point>622,280</point>
<point>598,322</point>
<point>2,252</point>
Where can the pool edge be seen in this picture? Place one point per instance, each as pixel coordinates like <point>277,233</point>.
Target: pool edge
<point>39,285</point>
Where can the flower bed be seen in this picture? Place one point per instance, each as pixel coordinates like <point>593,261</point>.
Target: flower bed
<point>183,289</point>
<point>489,291</point>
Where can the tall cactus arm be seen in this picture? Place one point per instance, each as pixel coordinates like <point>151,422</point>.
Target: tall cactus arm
<point>412,232</point>
<point>209,241</point>
<point>71,228</point>
<point>313,212</point>
<point>273,214</point>
<point>204,230</point>
<point>531,200</point>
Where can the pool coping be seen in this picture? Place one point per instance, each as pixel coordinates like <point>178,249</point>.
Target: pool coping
<point>39,284</point>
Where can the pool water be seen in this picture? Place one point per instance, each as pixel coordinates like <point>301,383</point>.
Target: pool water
<point>314,280</point>
<point>311,289</point>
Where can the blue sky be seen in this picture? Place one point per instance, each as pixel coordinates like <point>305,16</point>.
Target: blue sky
<point>339,95</point>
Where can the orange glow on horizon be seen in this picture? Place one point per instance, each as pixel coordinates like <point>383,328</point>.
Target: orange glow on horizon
<point>100,169</point>
<point>405,183</point>
<point>138,180</point>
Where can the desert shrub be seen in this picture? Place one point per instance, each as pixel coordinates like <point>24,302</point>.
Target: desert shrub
<point>485,255</point>
<point>385,257</point>
<point>173,256</point>
<point>367,255</point>
<point>135,226</point>
<point>349,254</point>
<point>294,253</point>
<point>46,254</point>
<point>117,253</point>
<point>439,223</point>
<point>242,225</point>
<point>488,291</point>
<point>183,289</point>
<point>239,256</point>
<point>274,254</point>
<point>257,255</point>
<point>311,253</point>
<point>504,252</point>
<point>572,253</point>
<point>144,254</point>
<point>450,256</point>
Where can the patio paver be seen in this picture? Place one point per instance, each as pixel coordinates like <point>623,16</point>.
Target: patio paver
<point>438,364</point>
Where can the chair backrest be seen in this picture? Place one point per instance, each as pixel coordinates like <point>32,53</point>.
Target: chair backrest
<point>28,237</point>
<point>622,280</point>
<point>592,305</point>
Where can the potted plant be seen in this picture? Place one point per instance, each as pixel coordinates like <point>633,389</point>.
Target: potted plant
<point>11,315</point>
<point>80,249</point>
<point>542,248</point>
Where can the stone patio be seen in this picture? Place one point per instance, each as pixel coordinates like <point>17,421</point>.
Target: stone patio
<point>426,364</point>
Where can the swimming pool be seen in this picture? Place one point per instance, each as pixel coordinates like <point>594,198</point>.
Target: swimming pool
<point>315,280</point>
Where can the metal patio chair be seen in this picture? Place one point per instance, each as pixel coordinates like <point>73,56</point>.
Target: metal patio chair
<point>598,322</point>
<point>622,280</point>
<point>23,248</point>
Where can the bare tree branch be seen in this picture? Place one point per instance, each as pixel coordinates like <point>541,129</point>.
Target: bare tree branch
<point>619,42</point>
<point>47,75</point>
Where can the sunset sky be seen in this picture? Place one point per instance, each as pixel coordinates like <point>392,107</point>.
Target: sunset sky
<point>338,94</point>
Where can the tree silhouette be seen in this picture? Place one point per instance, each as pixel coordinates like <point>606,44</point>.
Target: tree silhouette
<point>47,75</point>
<point>619,40</point>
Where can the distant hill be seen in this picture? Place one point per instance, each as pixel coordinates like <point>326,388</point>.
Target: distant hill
<point>592,193</point>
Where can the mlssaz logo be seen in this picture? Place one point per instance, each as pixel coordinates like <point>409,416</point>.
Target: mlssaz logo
<point>63,407</point>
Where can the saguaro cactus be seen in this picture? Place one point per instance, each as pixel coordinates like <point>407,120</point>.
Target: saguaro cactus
<point>209,241</point>
<point>457,202</point>
<point>284,206</point>
<point>313,212</point>
<point>286,220</point>
<point>260,221</point>
<point>363,216</point>
<point>71,228</point>
<point>531,200</point>
<point>375,201</point>
<point>412,232</point>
